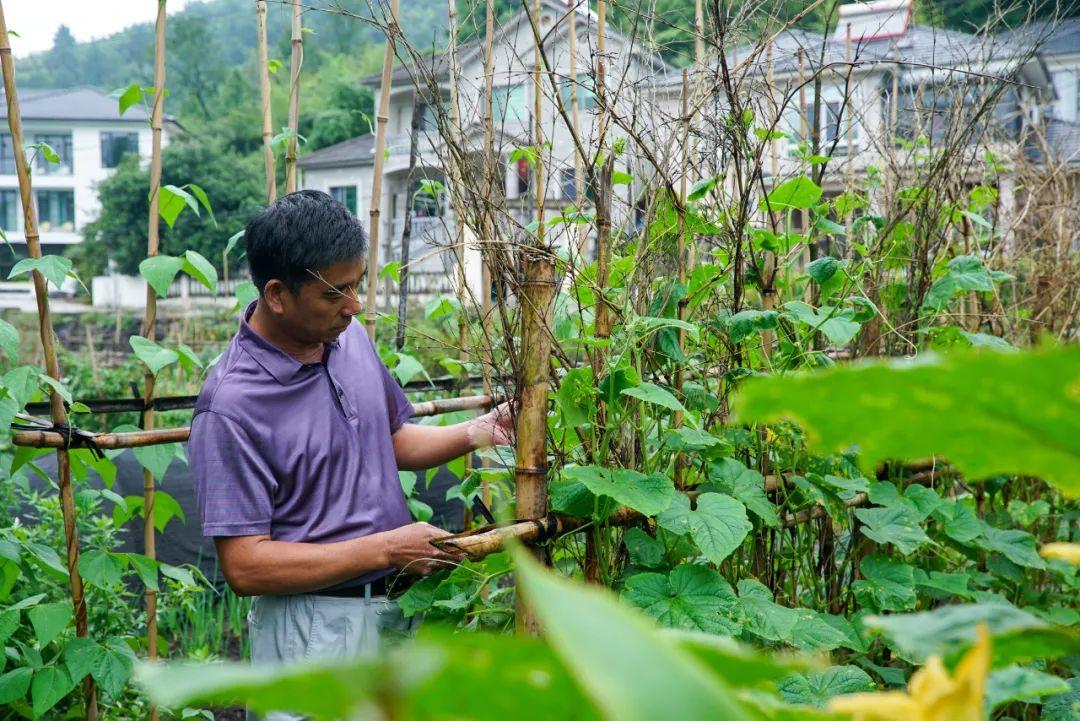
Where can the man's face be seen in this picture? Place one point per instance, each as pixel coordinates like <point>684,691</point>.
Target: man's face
<point>326,304</point>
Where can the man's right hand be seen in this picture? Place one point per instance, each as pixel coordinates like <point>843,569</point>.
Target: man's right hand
<point>409,549</point>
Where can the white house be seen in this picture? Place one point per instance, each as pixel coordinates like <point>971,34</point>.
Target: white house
<point>345,170</point>
<point>84,126</point>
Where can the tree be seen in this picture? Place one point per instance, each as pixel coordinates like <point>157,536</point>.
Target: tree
<point>62,58</point>
<point>233,184</point>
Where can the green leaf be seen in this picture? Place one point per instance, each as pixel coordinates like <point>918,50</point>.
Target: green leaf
<point>54,267</point>
<point>1065,706</point>
<point>702,187</point>
<point>246,294</point>
<point>201,270</point>
<point>763,616</point>
<point>9,623</point>
<point>391,270</point>
<point>812,632</point>
<point>691,597</point>
<point>48,560</point>
<point>645,551</point>
<point>146,568</point>
<point>233,240</point>
<point>179,573</point>
<point>155,459</point>
<point>49,686</point>
<point>159,271</point>
<point>963,274</point>
<point>48,620</point>
<point>576,397</point>
<point>153,355</point>
<point>915,636</point>
<point>618,177</point>
<point>14,684</point>
<point>797,193</point>
<point>893,525</point>
<point>1017,683</point>
<point>822,269</point>
<point>602,643</point>
<point>746,485</point>
<point>836,325</point>
<point>172,200</point>
<point>890,585</point>
<point>189,359</point>
<point>1016,545</point>
<point>79,655</point>
<point>718,524</point>
<point>204,201</point>
<point>407,368</point>
<point>129,96</point>
<point>9,341</point>
<point>815,689</point>
<point>100,568</point>
<point>651,393</point>
<point>112,667</point>
<point>649,494</point>
<point>746,323</point>
<point>988,414</point>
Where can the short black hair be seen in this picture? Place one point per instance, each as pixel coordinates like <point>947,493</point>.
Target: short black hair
<point>298,233</point>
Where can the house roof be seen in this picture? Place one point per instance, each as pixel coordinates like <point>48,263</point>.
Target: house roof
<point>348,153</point>
<point>402,74</point>
<point>1062,140</point>
<point>73,104</point>
<point>1060,39</point>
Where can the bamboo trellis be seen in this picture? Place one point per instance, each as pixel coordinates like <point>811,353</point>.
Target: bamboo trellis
<point>294,98</point>
<point>264,94</point>
<point>48,348</point>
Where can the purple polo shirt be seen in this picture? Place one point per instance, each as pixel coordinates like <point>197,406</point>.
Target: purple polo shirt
<point>301,452</point>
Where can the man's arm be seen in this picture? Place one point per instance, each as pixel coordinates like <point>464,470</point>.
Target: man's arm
<point>418,448</point>
<point>256,565</point>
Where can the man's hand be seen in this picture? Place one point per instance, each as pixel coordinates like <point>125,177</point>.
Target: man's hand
<point>409,549</point>
<point>494,428</point>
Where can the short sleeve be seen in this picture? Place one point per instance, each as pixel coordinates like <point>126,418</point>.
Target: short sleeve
<point>234,486</point>
<point>398,406</point>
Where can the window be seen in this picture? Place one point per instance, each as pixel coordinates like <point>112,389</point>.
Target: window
<point>56,210</point>
<point>114,146</point>
<point>61,143</point>
<point>346,195</point>
<point>566,177</point>
<point>7,156</point>
<point>585,93</point>
<point>9,209</point>
<point>508,104</point>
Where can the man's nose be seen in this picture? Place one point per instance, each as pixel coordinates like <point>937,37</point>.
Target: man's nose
<point>352,305</point>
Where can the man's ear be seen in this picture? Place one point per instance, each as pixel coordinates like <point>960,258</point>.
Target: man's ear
<point>274,294</point>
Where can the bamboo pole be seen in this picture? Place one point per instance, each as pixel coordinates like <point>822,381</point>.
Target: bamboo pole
<point>680,260</point>
<point>603,320</point>
<point>849,132</point>
<point>381,118</point>
<point>575,121</point>
<point>264,92</point>
<point>530,475</point>
<point>150,319</point>
<point>136,439</point>
<point>768,261</point>
<point>294,98</point>
<point>488,217</point>
<point>48,348</point>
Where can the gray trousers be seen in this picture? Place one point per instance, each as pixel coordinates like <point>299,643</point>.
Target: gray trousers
<point>286,629</point>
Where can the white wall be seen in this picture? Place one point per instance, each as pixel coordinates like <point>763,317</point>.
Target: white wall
<point>1065,71</point>
<point>86,167</point>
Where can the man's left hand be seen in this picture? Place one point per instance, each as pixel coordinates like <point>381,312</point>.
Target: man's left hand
<point>494,428</point>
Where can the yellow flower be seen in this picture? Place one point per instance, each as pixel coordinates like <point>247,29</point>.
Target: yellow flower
<point>932,695</point>
<point>1068,552</point>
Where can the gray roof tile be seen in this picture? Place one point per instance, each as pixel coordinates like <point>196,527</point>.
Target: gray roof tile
<point>82,103</point>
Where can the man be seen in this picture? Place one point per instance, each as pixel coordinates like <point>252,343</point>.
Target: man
<point>297,439</point>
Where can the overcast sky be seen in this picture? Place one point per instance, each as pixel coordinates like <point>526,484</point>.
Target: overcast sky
<point>36,21</point>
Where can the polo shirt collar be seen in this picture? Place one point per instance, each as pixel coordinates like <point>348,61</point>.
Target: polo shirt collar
<point>279,364</point>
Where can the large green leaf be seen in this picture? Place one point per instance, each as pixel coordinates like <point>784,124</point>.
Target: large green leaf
<point>763,616</point>
<point>113,665</point>
<point>9,341</point>
<point>652,393</point>
<point>691,597</point>
<point>172,200</point>
<point>603,644</point>
<point>50,684</point>
<point>100,568</point>
<point>14,684</point>
<point>892,525</point>
<point>1016,545</point>
<point>649,494</point>
<point>747,485</point>
<point>815,689</point>
<point>836,324</point>
<point>746,323</point>
<point>200,269</point>
<point>988,413</point>
<point>1018,683</point>
<point>153,355</point>
<point>797,193</point>
<point>1065,706</point>
<point>48,620</point>
<point>54,267</point>
<point>915,636</point>
<point>159,271</point>
<point>962,274</point>
<point>889,585</point>
<point>718,524</point>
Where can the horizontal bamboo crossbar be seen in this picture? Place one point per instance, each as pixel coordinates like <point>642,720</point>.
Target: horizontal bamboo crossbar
<point>135,439</point>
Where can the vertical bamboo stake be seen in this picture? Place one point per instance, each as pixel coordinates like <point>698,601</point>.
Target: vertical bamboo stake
<point>264,91</point>
<point>381,118</point>
<point>680,260</point>
<point>150,319</point>
<point>768,291</point>
<point>804,134</point>
<point>603,320</point>
<point>530,475</point>
<point>489,214</point>
<point>537,293</point>
<point>849,131</point>
<point>575,121</point>
<point>48,349</point>
<point>294,98</point>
